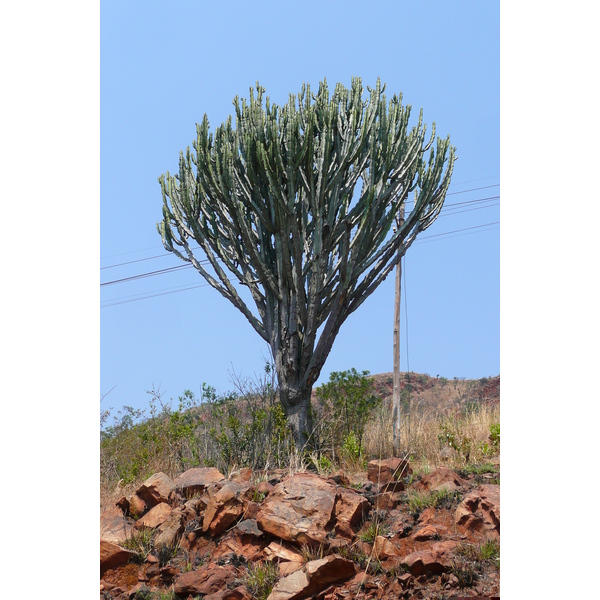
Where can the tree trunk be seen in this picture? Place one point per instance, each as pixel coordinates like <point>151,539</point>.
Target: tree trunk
<point>296,403</point>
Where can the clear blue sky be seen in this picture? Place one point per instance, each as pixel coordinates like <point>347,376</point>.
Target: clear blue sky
<point>163,65</point>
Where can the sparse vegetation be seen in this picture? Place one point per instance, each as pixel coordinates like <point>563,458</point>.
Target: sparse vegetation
<point>472,559</point>
<point>374,527</point>
<point>465,572</point>
<point>139,542</point>
<point>487,551</point>
<point>419,501</point>
<point>311,552</point>
<point>260,579</point>
<point>247,428</point>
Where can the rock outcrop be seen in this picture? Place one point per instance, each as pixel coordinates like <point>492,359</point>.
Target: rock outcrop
<point>480,511</point>
<point>199,534</point>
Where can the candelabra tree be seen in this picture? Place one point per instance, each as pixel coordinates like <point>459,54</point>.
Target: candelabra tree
<point>297,204</point>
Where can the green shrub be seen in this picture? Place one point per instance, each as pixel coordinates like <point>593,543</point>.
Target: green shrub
<point>495,435</point>
<point>344,406</point>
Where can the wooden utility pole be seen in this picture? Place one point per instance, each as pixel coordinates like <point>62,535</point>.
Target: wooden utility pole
<point>396,412</point>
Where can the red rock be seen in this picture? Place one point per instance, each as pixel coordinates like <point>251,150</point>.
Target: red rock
<point>289,567</point>
<point>250,509</point>
<point>154,517</point>
<point>168,572</point>
<point>299,509</point>
<point>225,506</point>
<point>351,508</point>
<point>315,576</point>
<point>247,546</point>
<point>385,501</point>
<point>392,487</point>
<point>139,591</point>
<point>114,527</point>
<point>264,487</point>
<point>244,474</point>
<point>170,530</point>
<point>440,479</point>
<point>137,507</point>
<point>152,570</point>
<point>383,548</point>
<point>156,489</point>
<point>276,551</point>
<point>480,511</point>
<point>208,579</point>
<point>238,593</point>
<point>432,561</point>
<point>427,515</point>
<point>113,555</point>
<point>427,532</point>
<point>194,481</point>
<point>389,469</point>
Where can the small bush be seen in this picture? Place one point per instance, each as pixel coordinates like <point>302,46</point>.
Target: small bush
<point>344,405</point>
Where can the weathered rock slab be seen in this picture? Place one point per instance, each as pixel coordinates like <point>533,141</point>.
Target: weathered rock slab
<point>171,530</point>
<point>112,555</point>
<point>314,577</point>
<point>387,470</point>
<point>114,527</point>
<point>350,511</point>
<point>225,506</point>
<point>194,481</point>
<point>156,489</point>
<point>480,510</point>
<point>208,579</point>
<point>154,517</point>
<point>433,561</point>
<point>299,509</point>
<point>384,548</point>
<point>440,479</point>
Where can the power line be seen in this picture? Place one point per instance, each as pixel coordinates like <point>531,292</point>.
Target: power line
<point>162,255</point>
<point>167,291</point>
<point>118,301</point>
<point>476,201</point>
<point>133,261</point>
<point>485,187</point>
<point>459,212</point>
<point>143,275</point>
<point>428,237</point>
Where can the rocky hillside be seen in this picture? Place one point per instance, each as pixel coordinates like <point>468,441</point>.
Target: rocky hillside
<point>388,533</point>
<point>428,391</point>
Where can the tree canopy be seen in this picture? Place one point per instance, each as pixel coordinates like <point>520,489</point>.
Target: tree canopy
<point>297,204</point>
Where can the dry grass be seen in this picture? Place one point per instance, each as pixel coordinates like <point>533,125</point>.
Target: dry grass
<point>455,414</point>
<point>429,431</point>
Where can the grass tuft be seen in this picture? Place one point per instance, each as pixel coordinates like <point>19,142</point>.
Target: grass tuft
<point>260,579</point>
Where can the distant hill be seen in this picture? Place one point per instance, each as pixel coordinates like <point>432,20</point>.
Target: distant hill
<point>438,392</point>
